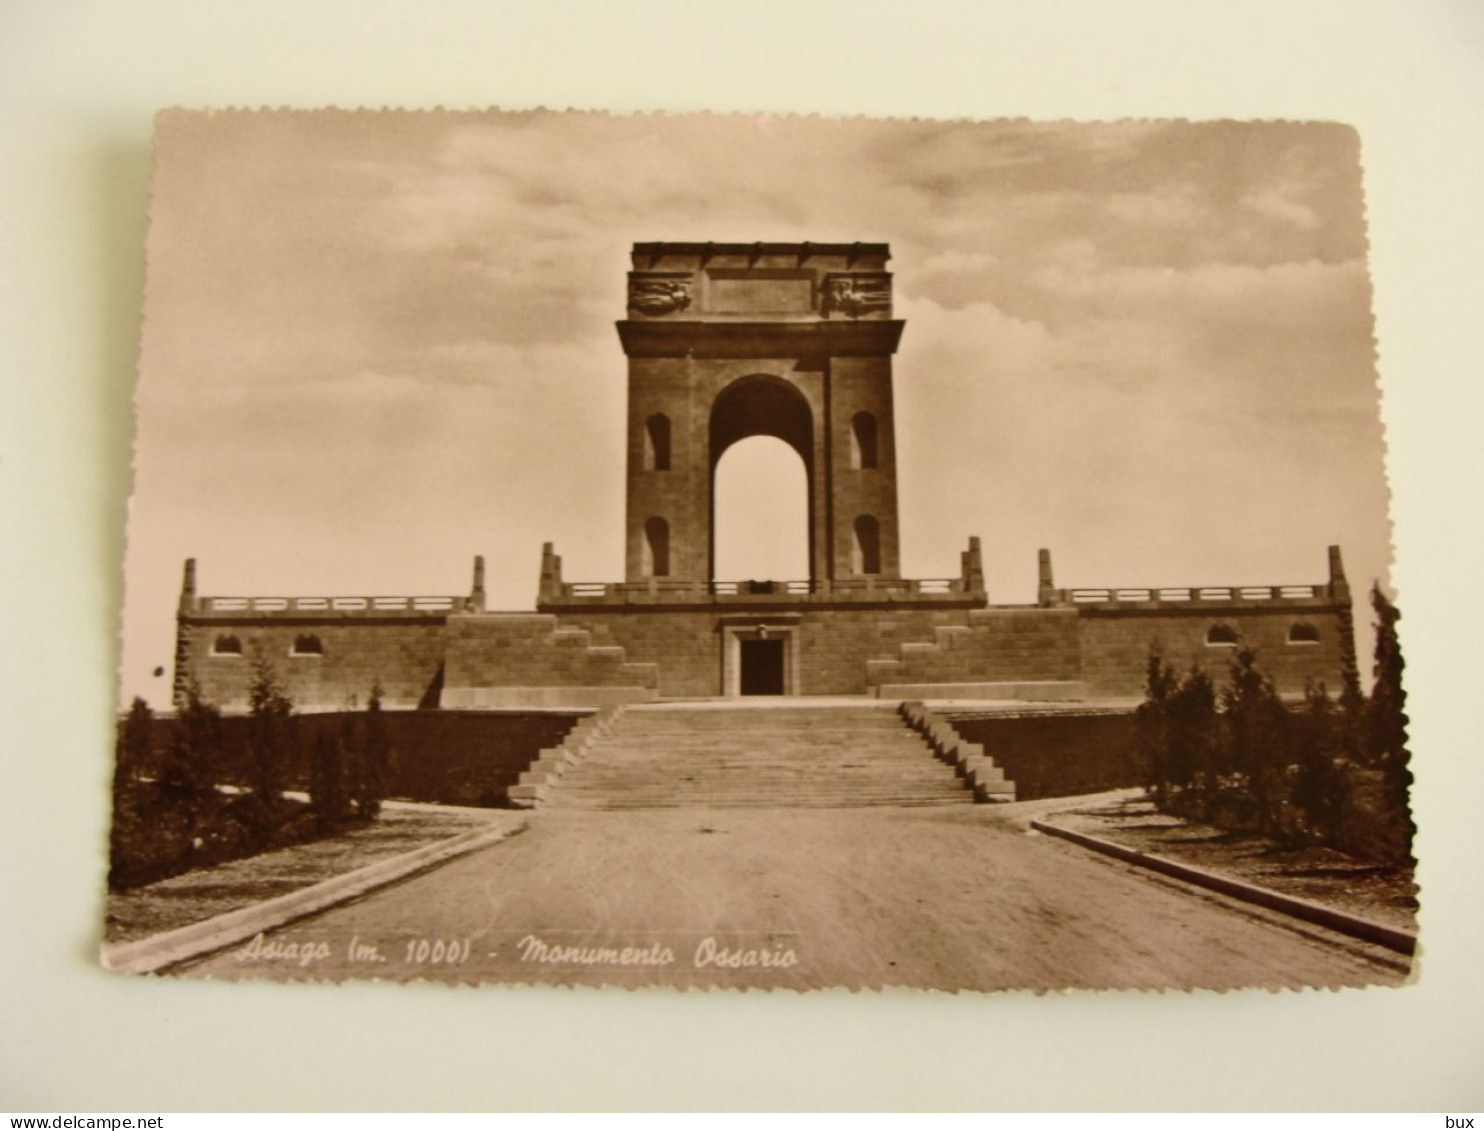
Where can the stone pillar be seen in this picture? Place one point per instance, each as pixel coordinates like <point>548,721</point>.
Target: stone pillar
<point>551,573</point>
<point>1339,587</point>
<point>188,587</point>
<point>1045,587</point>
<point>1339,593</point>
<point>476,593</point>
<point>973,567</point>
<point>184,676</point>
<point>860,463</point>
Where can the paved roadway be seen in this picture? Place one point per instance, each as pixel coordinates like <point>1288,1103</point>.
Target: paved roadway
<point>948,898</point>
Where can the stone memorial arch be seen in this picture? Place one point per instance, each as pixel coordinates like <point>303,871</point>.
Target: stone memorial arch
<point>730,341</point>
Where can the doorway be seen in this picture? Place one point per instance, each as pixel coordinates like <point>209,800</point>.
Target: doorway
<point>762,667</point>
<point>761,659</point>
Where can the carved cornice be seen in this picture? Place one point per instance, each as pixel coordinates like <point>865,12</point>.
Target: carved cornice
<point>654,252</point>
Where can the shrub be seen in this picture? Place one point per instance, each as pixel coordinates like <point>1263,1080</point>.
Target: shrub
<point>269,744</point>
<point>1152,727</point>
<point>375,758</point>
<point>1194,742</point>
<point>128,819</point>
<point>187,770</point>
<point>1256,747</point>
<point>327,793</point>
<point>1320,784</point>
<point>1332,774</point>
<point>132,754</point>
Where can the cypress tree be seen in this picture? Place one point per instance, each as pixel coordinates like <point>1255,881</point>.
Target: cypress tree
<point>133,752</point>
<point>1257,742</point>
<point>1193,731</point>
<point>189,768</point>
<point>1386,719</point>
<point>375,757</point>
<point>327,791</point>
<point>130,761</point>
<point>1152,727</point>
<point>269,738</point>
<point>1319,791</point>
<point>188,771</point>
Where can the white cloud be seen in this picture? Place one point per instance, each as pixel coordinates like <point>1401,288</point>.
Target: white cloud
<point>1173,206</point>
<point>1273,204</point>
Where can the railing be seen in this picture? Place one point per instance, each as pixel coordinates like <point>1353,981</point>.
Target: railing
<point>329,604</point>
<point>905,585</point>
<point>588,589</point>
<point>760,588</point>
<point>1186,594</point>
<point>662,588</point>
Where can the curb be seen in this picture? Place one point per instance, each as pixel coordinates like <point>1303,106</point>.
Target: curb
<point>1393,938</point>
<point>150,955</point>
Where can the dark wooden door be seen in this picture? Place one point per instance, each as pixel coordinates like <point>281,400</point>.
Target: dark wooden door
<point>762,667</point>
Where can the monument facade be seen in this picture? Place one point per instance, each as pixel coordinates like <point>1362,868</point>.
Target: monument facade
<point>727,341</point>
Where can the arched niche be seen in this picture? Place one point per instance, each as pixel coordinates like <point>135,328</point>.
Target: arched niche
<point>656,547</point>
<point>657,443</point>
<point>865,553</point>
<point>864,454</point>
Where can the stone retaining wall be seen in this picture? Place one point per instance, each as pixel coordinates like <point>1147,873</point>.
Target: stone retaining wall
<point>1115,645</point>
<point>592,657</point>
<point>405,656</point>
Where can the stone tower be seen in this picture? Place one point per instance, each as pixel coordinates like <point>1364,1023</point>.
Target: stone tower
<point>731,340</point>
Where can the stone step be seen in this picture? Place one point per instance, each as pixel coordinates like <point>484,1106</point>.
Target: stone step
<point>770,757</point>
<point>823,769</point>
<point>780,794</point>
<point>856,781</point>
<point>751,774</point>
<point>770,800</point>
<point>660,773</point>
<point>743,769</point>
<point>782,739</point>
<point>763,803</point>
<point>794,737</point>
<point>662,789</point>
<point>593,782</point>
<point>785,757</point>
<point>665,730</point>
<point>815,716</point>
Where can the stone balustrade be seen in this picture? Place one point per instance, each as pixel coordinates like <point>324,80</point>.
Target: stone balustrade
<point>1209,596</point>
<point>660,591</point>
<point>434,606</point>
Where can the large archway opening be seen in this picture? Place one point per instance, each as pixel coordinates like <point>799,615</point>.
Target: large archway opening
<point>762,504</point>
<point>762,513</point>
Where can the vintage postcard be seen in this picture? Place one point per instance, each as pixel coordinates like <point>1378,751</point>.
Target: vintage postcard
<point>759,552</point>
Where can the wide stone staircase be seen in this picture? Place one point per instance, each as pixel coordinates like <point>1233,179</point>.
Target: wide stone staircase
<point>709,756</point>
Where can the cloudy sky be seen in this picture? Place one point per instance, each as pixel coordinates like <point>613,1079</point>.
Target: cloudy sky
<point>376,344</point>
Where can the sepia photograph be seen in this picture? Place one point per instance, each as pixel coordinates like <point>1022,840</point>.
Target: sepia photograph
<point>725,551</point>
